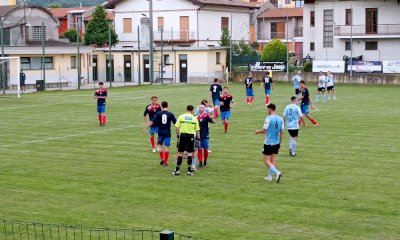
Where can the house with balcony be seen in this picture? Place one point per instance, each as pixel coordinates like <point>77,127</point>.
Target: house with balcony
<point>285,24</point>
<point>188,31</point>
<point>70,18</point>
<point>371,29</point>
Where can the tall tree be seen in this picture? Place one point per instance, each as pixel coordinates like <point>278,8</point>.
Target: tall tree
<point>97,29</point>
<point>225,41</point>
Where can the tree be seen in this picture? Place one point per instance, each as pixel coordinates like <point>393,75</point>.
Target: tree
<point>54,5</point>
<point>225,41</point>
<point>275,51</point>
<point>97,29</point>
<point>71,34</point>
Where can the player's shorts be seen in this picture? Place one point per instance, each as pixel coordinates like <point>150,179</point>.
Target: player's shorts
<point>268,91</point>
<point>203,143</point>
<point>101,108</point>
<point>22,83</point>
<point>164,140</point>
<point>225,115</point>
<point>186,143</point>
<point>321,89</point>
<point>271,149</point>
<point>293,132</point>
<point>153,130</point>
<point>297,91</point>
<point>304,109</point>
<point>216,101</point>
<point>330,88</point>
<point>249,92</point>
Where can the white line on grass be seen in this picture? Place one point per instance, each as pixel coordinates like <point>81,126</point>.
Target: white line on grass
<point>67,136</point>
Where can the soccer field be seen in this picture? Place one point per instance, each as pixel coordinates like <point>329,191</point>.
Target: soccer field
<point>58,166</point>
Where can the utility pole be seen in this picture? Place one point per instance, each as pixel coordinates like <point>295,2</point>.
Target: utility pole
<point>151,55</point>
<point>138,44</point>
<point>79,56</point>
<point>230,51</point>
<point>43,57</point>
<point>287,43</point>
<point>162,56</point>
<point>2,77</point>
<point>109,54</point>
<point>351,44</point>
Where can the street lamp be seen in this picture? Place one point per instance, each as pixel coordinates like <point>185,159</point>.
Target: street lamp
<point>151,42</point>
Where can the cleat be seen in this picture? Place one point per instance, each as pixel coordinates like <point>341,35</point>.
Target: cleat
<point>154,150</point>
<point>268,178</point>
<point>193,168</point>
<point>189,174</point>
<point>278,177</point>
<point>162,162</point>
<point>176,173</point>
<point>200,164</point>
<point>209,150</point>
<point>316,125</point>
<point>165,164</point>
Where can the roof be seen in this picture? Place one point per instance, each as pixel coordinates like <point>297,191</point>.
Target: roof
<point>281,12</point>
<point>110,15</point>
<point>50,43</point>
<point>235,3</point>
<point>62,12</point>
<point>5,10</point>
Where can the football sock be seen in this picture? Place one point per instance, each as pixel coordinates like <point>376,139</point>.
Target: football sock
<point>317,97</point>
<point>178,163</point>
<point>226,126</point>
<point>152,141</point>
<point>189,162</point>
<point>200,154</point>
<point>104,119</point>
<point>161,155</point>
<point>247,99</point>
<point>266,99</point>
<point>251,99</point>
<point>216,111</point>
<point>273,169</point>
<point>194,160</point>
<point>312,120</point>
<point>269,173</point>
<point>205,154</point>
<point>100,119</point>
<point>166,155</point>
<point>324,96</point>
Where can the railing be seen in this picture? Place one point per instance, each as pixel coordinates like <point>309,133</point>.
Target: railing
<point>279,35</point>
<point>362,30</point>
<point>177,36</point>
<point>10,230</point>
<point>298,31</point>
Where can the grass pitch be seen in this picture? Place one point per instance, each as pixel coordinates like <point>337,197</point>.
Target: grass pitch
<point>58,166</point>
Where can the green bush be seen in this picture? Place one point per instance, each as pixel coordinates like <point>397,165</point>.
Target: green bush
<point>307,67</point>
<point>274,51</point>
<point>295,68</point>
<point>71,34</point>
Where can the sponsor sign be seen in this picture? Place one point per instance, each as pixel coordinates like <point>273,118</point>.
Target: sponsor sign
<point>324,66</point>
<point>366,66</point>
<point>266,66</point>
<point>391,66</point>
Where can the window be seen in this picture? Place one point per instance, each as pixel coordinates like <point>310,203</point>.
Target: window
<point>312,18</point>
<point>347,46</point>
<point>160,21</point>
<point>167,60</point>
<point>35,63</point>
<point>371,45</point>
<point>348,20</point>
<point>224,22</point>
<point>127,22</point>
<point>371,20</point>
<point>288,1</point>
<point>278,30</point>
<point>6,37</point>
<point>73,62</point>
<point>328,28</point>
<point>312,46</point>
<point>37,33</point>
<point>218,58</point>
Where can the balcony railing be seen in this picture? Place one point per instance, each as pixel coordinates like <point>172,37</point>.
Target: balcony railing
<point>175,36</point>
<point>298,31</point>
<point>363,30</point>
<point>279,35</point>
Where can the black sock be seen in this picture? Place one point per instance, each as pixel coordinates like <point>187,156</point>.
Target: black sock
<point>189,162</point>
<point>178,163</point>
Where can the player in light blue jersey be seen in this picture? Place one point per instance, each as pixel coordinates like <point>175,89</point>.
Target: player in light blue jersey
<point>292,116</point>
<point>296,83</point>
<point>330,82</point>
<point>273,130</point>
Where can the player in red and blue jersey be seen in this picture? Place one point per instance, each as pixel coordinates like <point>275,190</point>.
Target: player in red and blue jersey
<point>226,100</point>
<point>249,89</point>
<point>268,86</point>
<point>151,110</point>
<point>162,120</point>
<point>202,150</point>
<point>101,96</point>
<point>215,92</point>
<point>305,102</point>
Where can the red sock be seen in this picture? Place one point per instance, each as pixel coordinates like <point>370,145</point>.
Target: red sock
<point>205,154</point>
<point>312,120</point>
<point>152,141</point>
<point>104,119</point>
<point>161,155</point>
<point>166,155</point>
<point>247,99</point>
<point>266,99</point>
<point>226,126</point>
<point>100,119</point>
<point>251,99</point>
<point>216,111</point>
<point>200,155</point>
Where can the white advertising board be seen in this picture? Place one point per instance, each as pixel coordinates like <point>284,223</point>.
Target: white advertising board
<point>391,66</point>
<point>324,66</point>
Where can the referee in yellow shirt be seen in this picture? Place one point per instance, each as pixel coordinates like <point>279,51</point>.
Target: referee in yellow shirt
<point>187,128</point>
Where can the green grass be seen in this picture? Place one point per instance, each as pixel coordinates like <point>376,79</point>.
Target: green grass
<point>58,166</point>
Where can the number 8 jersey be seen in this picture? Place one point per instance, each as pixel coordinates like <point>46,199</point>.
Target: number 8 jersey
<point>163,121</point>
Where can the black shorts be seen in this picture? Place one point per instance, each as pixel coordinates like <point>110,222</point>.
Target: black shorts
<point>321,89</point>
<point>22,83</point>
<point>293,132</point>
<point>330,88</point>
<point>186,143</point>
<point>271,149</point>
<point>297,91</point>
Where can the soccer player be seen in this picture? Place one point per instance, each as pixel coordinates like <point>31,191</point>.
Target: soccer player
<point>187,129</point>
<point>162,120</point>
<point>330,85</point>
<point>151,110</point>
<point>292,116</point>
<point>226,100</point>
<point>249,89</point>
<point>296,83</point>
<point>22,78</point>
<point>215,92</point>
<point>305,102</point>
<point>208,108</point>
<point>321,86</point>
<point>273,130</point>
<point>268,86</point>
<point>101,96</point>
<point>202,151</point>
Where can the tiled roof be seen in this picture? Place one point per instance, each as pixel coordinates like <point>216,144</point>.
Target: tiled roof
<point>281,12</point>
<point>110,15</point>
<point>236,3</point>
<point>62,12</point>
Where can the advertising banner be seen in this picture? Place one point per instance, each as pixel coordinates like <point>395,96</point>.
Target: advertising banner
<point>266,66</point>
<point>366,66</point>
<point>391,66</point>
<point>324,66</point>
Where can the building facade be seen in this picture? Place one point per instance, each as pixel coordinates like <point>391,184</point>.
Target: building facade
<point>373,28</point>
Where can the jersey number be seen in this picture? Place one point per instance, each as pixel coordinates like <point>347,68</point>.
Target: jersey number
<point>276,125</point>
<point>164,119</point>
<point>215,88</point>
